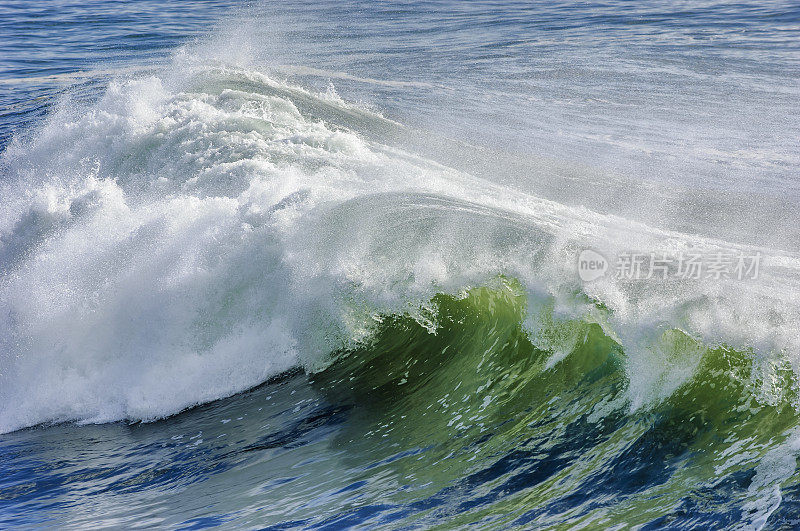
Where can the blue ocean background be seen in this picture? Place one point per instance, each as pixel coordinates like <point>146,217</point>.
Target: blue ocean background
<point>301,265</point>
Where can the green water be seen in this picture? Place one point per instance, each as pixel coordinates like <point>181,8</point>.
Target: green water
<point>487,402</point>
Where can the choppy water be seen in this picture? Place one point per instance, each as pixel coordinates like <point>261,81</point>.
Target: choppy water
<point>308,265</point>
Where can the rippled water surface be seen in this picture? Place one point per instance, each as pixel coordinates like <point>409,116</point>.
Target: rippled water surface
<point>299,265</point>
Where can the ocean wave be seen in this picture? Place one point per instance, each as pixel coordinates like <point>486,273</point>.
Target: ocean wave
<point>199,230</point>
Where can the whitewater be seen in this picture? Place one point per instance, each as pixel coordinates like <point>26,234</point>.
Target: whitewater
<point>391,263</point>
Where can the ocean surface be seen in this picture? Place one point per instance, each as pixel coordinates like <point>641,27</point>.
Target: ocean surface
<point>402,265</point>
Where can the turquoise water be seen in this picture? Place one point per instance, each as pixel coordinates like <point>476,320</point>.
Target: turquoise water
<point>315,265</point>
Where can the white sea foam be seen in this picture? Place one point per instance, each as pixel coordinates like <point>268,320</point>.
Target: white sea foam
<point>199,230</point>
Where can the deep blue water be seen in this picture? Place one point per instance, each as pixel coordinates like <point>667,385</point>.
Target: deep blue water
<point>46,47</point>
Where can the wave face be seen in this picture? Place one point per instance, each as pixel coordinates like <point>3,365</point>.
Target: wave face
<point>228,290</point>
<point>470,425</point>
